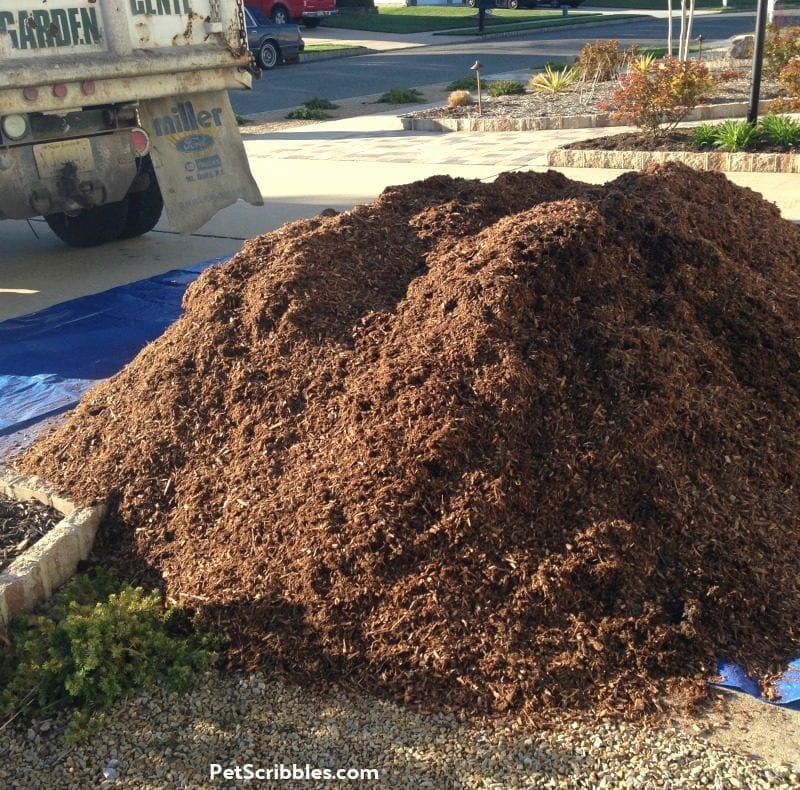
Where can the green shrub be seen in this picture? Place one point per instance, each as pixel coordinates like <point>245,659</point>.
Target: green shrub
<point>779,129</point>
<point>601,60</point>
<point>505,88</point>
<point>734,136</point>
<point>320,104</point>
<point>401,96</point>
<point>704,135</point>
<point>307,114</point>
<point>552,81</point>
<point>780,46</point>
<point>464,84</point>
<point>659,97</point>
<point>98,641</point>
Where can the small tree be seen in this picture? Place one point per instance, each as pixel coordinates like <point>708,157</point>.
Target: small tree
<point>657,96</point>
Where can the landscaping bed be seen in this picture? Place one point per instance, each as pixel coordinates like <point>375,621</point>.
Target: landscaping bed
<point>578,106</point>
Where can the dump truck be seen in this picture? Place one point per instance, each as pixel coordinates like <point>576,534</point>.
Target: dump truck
<point>113,110</point>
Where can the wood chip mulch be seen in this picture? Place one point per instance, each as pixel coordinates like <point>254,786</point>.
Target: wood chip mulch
<point>529,447</point>
<point>22,523</point>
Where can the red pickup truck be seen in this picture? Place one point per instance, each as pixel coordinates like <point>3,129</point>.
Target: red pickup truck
<point>307,12</point>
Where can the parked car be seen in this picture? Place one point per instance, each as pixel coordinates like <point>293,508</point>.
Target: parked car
<point>309,12</point>
<point>271,44</point>
<point>528,3</point>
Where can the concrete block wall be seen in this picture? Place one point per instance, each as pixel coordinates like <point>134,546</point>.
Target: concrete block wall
<point>33,576</point>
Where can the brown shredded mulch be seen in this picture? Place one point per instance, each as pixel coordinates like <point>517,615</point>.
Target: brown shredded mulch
<point>22,523</point>
<point>675,140</point>
<point>523,447</point>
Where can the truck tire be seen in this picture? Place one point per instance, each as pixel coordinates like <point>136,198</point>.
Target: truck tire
<point>144,205</point>
<point>268,55</point>
<point>472,3</point>
<point>93,226</point>
<point>280,16</point>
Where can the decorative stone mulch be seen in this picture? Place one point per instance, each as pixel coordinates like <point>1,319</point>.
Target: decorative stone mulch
<point>21,525</point>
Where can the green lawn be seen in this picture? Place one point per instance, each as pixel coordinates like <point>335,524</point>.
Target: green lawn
<point>426,19</point>
<point>554,21</point>
<point>329,47</point>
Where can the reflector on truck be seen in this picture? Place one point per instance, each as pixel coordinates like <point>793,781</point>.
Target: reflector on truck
<point>199,157</point>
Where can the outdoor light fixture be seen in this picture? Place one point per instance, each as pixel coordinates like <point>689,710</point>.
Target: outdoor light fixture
<point>476,67</point>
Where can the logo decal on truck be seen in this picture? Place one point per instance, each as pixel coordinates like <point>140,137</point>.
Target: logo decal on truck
<point>160,7</point>
<point>57,27</point>
<point>185,119</point>
<point>194,142</point>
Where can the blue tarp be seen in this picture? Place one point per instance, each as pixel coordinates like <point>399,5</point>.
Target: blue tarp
<point>50,358</point>
<point>733,676</point>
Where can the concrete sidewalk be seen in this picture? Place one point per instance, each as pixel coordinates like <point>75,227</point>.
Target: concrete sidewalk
<point>336,164</point>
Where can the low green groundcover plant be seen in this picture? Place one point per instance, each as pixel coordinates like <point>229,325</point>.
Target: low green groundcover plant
<point>320,104</point>
<point>307,114</point>
<point>464,84</point>
<point>505,88</point>
<point>401,96</point>
<point>739,135</point>
<point>97,641</point>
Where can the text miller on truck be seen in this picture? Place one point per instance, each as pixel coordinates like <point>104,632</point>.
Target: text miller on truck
<point>113,110</point>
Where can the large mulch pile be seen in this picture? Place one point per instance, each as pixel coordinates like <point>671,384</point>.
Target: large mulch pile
<point>529,446</point>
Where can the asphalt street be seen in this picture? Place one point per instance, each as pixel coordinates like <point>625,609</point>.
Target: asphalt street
<point>414,66</point>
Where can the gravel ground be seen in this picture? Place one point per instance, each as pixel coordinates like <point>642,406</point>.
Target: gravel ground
<point>167,740</point>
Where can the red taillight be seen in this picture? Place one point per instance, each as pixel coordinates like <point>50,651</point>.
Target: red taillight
<point>30,94</point>
<point>140,142</point>
<point>87,88</point>
<point>59,90</point>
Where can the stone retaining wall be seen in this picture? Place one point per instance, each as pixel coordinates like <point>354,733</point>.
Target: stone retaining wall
<point>476,123</point>
<point>51,561</point>
<point>712,160</point>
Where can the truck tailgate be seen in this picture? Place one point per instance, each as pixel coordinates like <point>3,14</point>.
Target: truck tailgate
<point>105,51</point>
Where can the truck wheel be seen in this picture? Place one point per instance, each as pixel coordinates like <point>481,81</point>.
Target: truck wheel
<point>144,205</point>
<point>280,16</point>
<point>513,4</point>
<point>311,22</point>
<point>472,3</point>
<point>93,226</point>
<point>268,56</point>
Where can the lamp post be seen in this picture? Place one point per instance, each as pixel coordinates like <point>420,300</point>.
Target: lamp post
<point>758,59</point>
<point>476,67</point>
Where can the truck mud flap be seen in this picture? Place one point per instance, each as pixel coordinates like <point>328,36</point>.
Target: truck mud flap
<point>199,157</point>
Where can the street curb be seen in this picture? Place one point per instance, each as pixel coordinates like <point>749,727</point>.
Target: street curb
<point>51,561</point>
<point>706,112</point>
<point>308,57</point>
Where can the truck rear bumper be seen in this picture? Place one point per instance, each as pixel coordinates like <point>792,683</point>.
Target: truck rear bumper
<point>66,175</point>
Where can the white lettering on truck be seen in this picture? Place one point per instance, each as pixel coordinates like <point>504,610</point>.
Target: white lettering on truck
<point>160,7</point>
<point>58,27</point>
